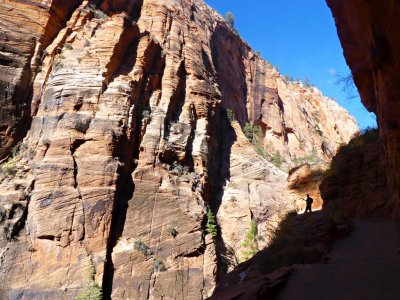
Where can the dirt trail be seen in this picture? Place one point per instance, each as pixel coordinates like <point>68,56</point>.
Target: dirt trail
<point>365,265</point>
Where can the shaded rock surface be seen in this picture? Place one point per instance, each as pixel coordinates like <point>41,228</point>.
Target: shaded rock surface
<point>364,265</point>
<point>129,142</point>
<point>355,184</point>
<point>370,39</point>
<point>299,239</point>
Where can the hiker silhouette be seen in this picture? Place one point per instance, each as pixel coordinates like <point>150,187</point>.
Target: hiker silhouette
<point>309,202</point>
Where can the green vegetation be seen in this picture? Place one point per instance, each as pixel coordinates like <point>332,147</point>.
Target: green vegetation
<point>177,168</point>
<point>255,135</point>
<point>172,231</point>
<point>9,169</point>
<point>92,291</point>
<point>68,46</point>
<point>248,132</point>
<point>288,78</point>
<point>231,115</point>
<point>230,19</point>
<point>311,159</point>
<point>98,14</point>
<point>251,241</point>
<point>211,225</point>
<point>277,159</point>
<point>159,265</point>
<point>58,62</point>
<point>142,247</point>
<point>368,135</point>
<point>46,142</point>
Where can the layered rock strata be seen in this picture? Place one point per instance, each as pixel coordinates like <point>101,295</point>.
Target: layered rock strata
<point>130,144</point>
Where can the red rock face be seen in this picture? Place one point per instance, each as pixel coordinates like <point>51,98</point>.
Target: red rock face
<point>371,42</point>
<point>129,141</point>
<point>23,41</point>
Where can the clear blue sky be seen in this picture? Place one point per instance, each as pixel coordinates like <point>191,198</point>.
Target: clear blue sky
<point>300,38</point>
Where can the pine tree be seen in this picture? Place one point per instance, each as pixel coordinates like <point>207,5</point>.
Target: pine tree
<point>248,132</point>
<point>211,225</point>
<point>250,242</point>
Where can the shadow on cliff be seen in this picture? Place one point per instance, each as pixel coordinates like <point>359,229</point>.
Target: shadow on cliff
<point>298,239</point>
<point>128,148</point>
<point>353,186</point>
<point>223,137</point>
<point>227,57</point>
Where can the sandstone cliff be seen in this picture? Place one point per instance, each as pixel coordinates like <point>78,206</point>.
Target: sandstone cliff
<point>122,108</point>
<point>370,38</point>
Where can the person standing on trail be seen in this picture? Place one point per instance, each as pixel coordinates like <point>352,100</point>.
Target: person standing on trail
<point>309,202</point>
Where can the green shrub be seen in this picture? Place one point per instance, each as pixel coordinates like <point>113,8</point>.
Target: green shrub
<point>277,159</point>
<point>250,241</point>
<point>23,195</point>
<point>91,292</point>
<point>248,132</point>
<point>231,115</point>
<point>57,63</point>
<point>142,247</point>
<point>9,169</point>
<point>311,159</point>
<point>370,135</point>
<point>172,231</point>
<point>46,142</point>
<point>98,14</point>
<point>262,152</point>
<point>254,133</point>
<point>159,265</point>
<point>230,19</point>
<point>211,225</point>
<point>177,168</point>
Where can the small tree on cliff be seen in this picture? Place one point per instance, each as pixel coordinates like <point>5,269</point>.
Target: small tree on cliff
<point>250,243</point>
<point>92,290</point>
<point>211,225</point>
<point>230,18</point>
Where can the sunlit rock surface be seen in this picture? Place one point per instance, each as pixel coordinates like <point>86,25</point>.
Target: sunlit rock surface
<point>121,116</point>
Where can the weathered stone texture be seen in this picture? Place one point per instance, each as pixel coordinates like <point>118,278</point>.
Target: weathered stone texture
<point>129,138</point>
<point>27,27</point>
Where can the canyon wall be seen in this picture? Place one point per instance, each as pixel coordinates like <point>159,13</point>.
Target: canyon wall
<point>370,38</point>
<point>126,147</point>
